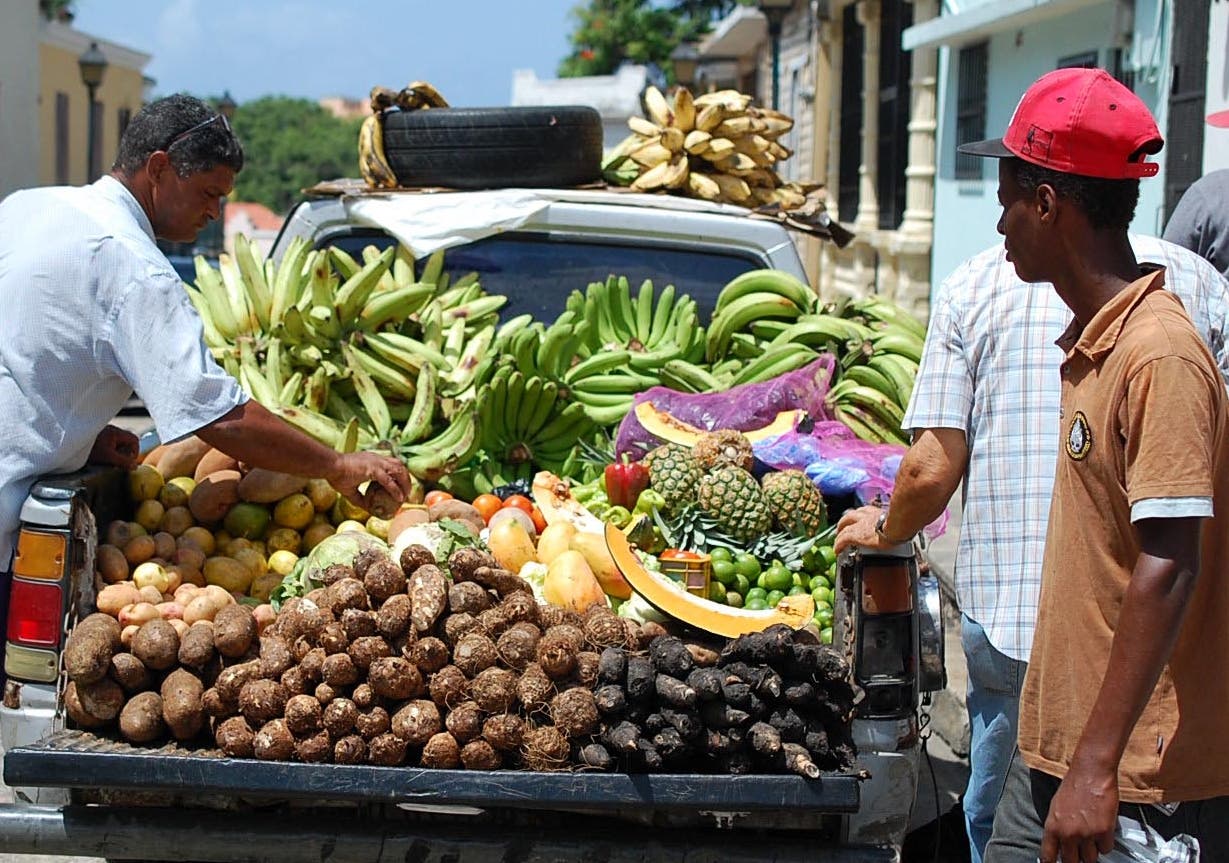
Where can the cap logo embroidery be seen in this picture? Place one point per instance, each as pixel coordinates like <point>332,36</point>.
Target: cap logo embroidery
<point>1079,437</point>
<point>1037,143</point>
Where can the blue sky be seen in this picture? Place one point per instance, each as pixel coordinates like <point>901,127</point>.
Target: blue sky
<point>313,48</point>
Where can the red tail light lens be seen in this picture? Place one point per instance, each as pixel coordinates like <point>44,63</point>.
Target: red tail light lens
<point>35,614</point>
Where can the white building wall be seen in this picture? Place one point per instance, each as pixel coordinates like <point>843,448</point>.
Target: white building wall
<point>1216,141</point>
<point>616,97</point>
<point>966,211</point>
<point>19,64</point>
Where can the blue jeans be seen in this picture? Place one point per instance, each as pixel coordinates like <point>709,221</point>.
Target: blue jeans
<point>993,701</point>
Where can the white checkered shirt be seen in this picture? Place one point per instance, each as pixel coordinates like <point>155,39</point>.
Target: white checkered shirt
<point>991,369</point>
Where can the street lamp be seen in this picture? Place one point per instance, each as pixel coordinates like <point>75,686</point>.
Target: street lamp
<point>93,66</point>
<point>775,11</point>
<point>685,58</point>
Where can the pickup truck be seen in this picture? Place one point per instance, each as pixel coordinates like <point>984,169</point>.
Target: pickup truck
<point>83,795</point>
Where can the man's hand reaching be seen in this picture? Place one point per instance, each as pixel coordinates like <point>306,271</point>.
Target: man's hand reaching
<point>354,469</point>
<point>115,447</point>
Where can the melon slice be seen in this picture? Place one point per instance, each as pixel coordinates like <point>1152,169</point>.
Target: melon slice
<point>794,611</point>
<point>668,427</point>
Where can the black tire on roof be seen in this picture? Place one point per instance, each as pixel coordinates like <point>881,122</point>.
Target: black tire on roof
<point>482,148</point>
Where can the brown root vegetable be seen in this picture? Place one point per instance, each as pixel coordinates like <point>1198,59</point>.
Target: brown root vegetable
<point>764,740</point>
<point>235,737</point>
<point>468,597</point>
<point>480,755</point>
<point>492,622</point>
<point>704,657</point>
<point>417,722</point>
<point>442,752</point>
<point>494,690</point>
<point>474,653</point>
<point>719,715</point>
<point>384,579</point>
<point>612,666</point>
<point>261,701</point>
<point>393,618</point>
<point>349,593</point>
<point>333,638</point>
<point>429,654</point>
<point>622,738</point>
<point>534,690</point>
<point>596,756</point>
<point>214,705</point>
<point>339,717</point>
<point>386,750</point>
<point>234,630</point>
<point>156,644</point>
<point>273,742</point>
<point>365,559</point>
<point>573,633</point>
<point>574,712</point>
<point>518,646</point>
<point>358,623</point>
<point>196,648</point>
<point>350,749</point>
<point>449,687</point>
<point>604,630</point>
<point>557,653</point>
<point>586,668</point>
<point>76,710</point>
<point>414,556</point>
<point>640,678</point>
<point>303,715</point>
<point>671,656</point>
<point>464,722</point>
<point>554,615</point>
<point>457,626</point>
<point>395,678</point>
<point>295,681</point>
<point>339,670</point>
<point>335,573</point>
<point>89,648</point>
<point>463,562</point>
<point>312,664</point>
<point>521,607</point>
<point>503,582</point>
<point>182,709</point>
<point>323,693</point>
<point>610,700</point>
<point>458,510</point>
<point>301,648</point>
<point>428,591</point>
<point>140,721</point>
<point>366,650</point>
<point>129,672</point>
<point>314,749</point>
<point>504,731</point>
<point>373,722</point>
<point>546,748</point>
<point>706,682</point>
<point>364,697</point>
<point>674,692</point>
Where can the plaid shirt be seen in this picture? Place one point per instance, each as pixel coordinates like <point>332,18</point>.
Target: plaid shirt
<point>990,368</point>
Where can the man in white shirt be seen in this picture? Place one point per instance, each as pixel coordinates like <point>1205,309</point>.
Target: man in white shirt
<point>93,311</point>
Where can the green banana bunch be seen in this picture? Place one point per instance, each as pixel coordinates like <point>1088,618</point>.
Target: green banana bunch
<point>753,298</point>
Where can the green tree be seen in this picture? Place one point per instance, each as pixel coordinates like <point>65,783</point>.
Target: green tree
<point>609,32</point>
<point>288,145</point>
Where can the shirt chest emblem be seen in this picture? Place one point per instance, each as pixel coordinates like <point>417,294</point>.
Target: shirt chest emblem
<point>1079,437</point>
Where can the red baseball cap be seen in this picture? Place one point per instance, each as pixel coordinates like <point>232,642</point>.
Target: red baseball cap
<point>1079,121</point>
<point>1220,119</point>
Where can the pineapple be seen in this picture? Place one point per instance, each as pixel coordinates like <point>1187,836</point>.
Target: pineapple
<point>734,499</point>
<point>796,504</point>
<point>673,474</point>
<point>724,448</point>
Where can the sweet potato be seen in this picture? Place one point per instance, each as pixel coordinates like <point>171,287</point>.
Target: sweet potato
<point>269,486</point>
<point>214,495</point>
<point>212,462</point>
<point>182,457</point>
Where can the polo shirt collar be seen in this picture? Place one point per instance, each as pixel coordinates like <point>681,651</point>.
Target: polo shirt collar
<point>113,190</point>
<point>1098,337</point>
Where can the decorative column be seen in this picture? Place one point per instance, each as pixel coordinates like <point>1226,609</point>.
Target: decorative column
<point>918,222</point>
<point>868,172</point>
<point>831,33</point>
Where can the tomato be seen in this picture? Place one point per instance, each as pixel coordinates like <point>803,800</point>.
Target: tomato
<point>434,497</point>
<point>487,505</point>
<point>539,520</point>
<point>520,502</point>
<point>679,554</point>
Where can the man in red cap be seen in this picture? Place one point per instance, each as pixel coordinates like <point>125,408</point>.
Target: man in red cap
<point>1127,683</point>
<point>1200,221</point>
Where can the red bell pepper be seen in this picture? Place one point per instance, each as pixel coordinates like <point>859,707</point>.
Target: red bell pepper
<point>624,482</point>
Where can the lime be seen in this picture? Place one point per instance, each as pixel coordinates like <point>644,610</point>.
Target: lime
<point>762,581</point>
<point>825,635</point>
<point>733,599</point>
<point>797,578</point>
<point>818,595</point>
<point>746,564</point>
<point>778,579</point>
<point>773,597</point>
<point>716,591</point>
<point>823,615</point>
<point>823,594</point>
<point>724,572</point>
<point>723,555</point>
<point>741,584</point>
<point>755,593</point>
<point>827,555</point>
<point>811,560</point>
<point>757,604</point>
<point>818,581</point>
<point>796,590</point>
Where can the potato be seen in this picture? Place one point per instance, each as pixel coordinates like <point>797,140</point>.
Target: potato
<point>203,606</point>
<point>181,704</point>
<point>269,486</point>
<point>76,712</point>
<point>214,495</point>
<point>129,672</point>
<point>139,613</point>
<point>150,594</point>
<point>101,699</point>
<point>112,598</point>
<point>156,644</point>
<point>128,633</point>
<point>234,630</point>
<point>141,719</point>
<point>88,651</point>
<point>264,615</point>
<point>111,564</point>
<point>181,628</point>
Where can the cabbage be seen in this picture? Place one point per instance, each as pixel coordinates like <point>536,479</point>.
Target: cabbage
<point>535,573</point>
<point>638,609</point>
<point>341,548</point>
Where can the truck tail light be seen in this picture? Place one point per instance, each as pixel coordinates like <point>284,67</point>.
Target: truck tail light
<point>35,624</point>
<point>40,554</point>
<point>36,616</point>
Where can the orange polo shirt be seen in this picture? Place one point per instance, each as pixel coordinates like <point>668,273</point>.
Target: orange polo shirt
<point>1144,419</point>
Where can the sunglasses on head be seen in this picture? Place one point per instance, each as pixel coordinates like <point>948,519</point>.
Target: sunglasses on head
<point>216,118</point>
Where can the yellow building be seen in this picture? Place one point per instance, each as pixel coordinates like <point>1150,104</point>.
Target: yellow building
<point>63,114</point>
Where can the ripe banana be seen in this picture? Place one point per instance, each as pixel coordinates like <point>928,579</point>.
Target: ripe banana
<point>372,162</point>
<point>657,106</point>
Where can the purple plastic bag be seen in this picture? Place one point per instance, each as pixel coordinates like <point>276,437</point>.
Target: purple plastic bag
<point>743,408</point>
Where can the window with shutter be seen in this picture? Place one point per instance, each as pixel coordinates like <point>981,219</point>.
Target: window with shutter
<point>971,107</point>
<point>851,114</point>
<point>61,139</point>
<point>895,67</point>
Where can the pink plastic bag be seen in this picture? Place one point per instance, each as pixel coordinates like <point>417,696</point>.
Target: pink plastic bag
<point>743,408</point>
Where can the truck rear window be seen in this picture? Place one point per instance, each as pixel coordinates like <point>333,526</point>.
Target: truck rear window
<point>537,272</point>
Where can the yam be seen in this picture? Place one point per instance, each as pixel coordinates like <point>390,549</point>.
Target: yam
<point>474,653</point>
<point>335,573</point>
<point>429,654</point>
<point>324,693</point>
<point>364,696</point>
<point>414,556</point>
<point>504,731</point>
<point>393,618</point>
<point>235,737</point>
<point>464,722</point>
<point>469,597</point>
<point>275,657</point>
<point>428,591</point>
<point>358,623</point>
<point>304,715</point>
<point>313,749</point>
<point>372,723</point>
<point>480,755</point>
<point>493,622</point>
<point>463,562</point>
<point>384,579</point>
<point>213,461</point>
<point>339,670</point>
<point>366,650</point>
<point>339,717</point>
<point>349,593</point>
<point>574,712</point>
<point>395,678</point>
<point>312,665</point>
<point>417,722</point>
<point>234,630</point>
<point>261,701</point>
<point>214,496</point>
<point>268,486</point>
<point>140,721</point>
<point>333,638</point>
<point>295,681</point>
<point>546,748</point>
<point>156,644</point>
<point>350,749</point>
<point>457,626</point>
<point>494,690</point>
<point>273,742</point>
<point>449,687</point>
<point>502,581</point>
<point>386,750</point>
<point>442,752</point>
<point>181,704</point>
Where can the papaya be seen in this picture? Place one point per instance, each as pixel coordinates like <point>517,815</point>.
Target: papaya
<point>181,457</point>
<point>212,462</point>
<point>570,583</point>
<point>592,547</point>
<point>556,538</point>
<point>668,427</point>
<point>510,544</point>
